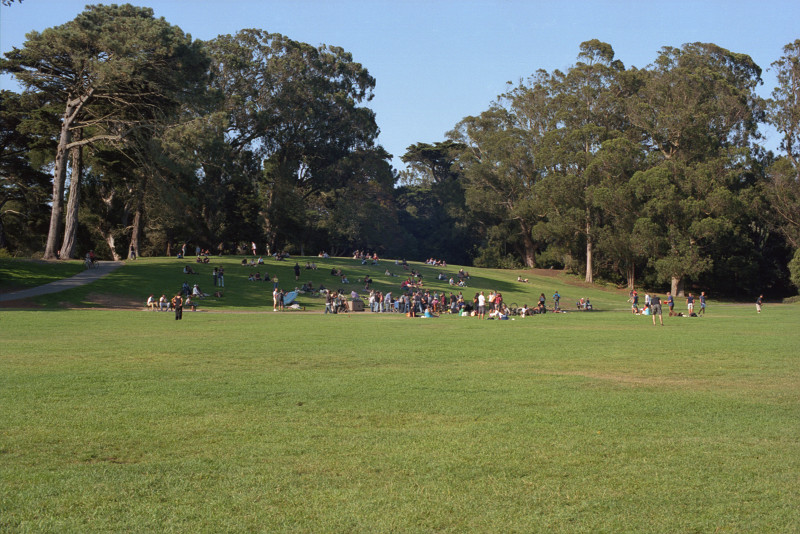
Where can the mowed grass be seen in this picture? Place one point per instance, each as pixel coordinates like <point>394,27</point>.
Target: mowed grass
<point>581,422</point>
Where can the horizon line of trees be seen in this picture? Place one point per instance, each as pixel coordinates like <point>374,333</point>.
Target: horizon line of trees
<point>131,138</point>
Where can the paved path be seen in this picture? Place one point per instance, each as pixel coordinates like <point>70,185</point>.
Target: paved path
<point>81,279</point>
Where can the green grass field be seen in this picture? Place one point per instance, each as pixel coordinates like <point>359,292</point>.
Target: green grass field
<point>237,421</point>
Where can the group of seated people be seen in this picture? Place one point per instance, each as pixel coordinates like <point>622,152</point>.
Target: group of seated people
<point>311,266</point>
<point>252,262</point>
<point>165,304</point>
<point>257,277</point>
<point>365,256</point>
<point>584,304</point>
<point>523,280</point>
<point>435,262</point>
<point>202,259</point>
<point>187,269</point>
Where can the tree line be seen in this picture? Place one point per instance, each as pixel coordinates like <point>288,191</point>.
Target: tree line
<point>130,137</point>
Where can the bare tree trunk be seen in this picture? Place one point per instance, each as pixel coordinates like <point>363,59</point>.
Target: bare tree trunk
<point>59,177</point>
<point>133,250</point>
<point>677,286</point>
<point>631,275</point>
<point>109,238</point>
<point>71,229</point>
<point>529,247</point>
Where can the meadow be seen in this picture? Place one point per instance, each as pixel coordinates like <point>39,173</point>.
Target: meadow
<point>239,419</point>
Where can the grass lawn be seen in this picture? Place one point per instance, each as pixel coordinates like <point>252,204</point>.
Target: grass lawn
<point>582,422</point>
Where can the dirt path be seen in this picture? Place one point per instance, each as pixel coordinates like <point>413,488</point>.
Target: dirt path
<point>81,279</point>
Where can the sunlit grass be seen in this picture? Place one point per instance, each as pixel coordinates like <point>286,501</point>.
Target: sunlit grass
<point>126,420</point>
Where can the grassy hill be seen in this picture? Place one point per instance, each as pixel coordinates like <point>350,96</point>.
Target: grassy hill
<point>129,286</point>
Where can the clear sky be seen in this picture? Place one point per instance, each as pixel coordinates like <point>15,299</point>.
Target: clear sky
<point>436,62</point>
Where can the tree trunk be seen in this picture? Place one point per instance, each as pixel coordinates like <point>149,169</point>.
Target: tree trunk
<point>133,250</point>
<point>529,247</point>
<point>71,228</point>
<point>589,275</point>
<point>631,276</point>
<point>109,238</point>
<point>59,176</point>
<point>677,286</point>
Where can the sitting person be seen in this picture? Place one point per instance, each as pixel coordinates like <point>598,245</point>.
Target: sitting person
<point>258,277</point>
<point>189,303</point>
<point>260,260</point>
<point>196,292</point>
<point>251,278</point>
<point>313,266</point>
<point>308,265</point>
<point>187,269</point>
<point>428,314</point>
<point>163,303</point>
<point>524,311</point>
<point>345,280</point>
<point>151,303</point>
<point>588,305</point>
<point>523,280</point>
<point>185,289</point>
<point>244,261</point>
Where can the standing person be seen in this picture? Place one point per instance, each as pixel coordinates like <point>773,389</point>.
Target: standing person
<point>183,250</point>
<point>635,303</point>
<point>177,305</point>
<point>758,303</point>
<point>556,300</point>
<point>655,308</point>
<point>542,302</point>
<point>132,253</point>
<point>328,302</point>
<point>221,277</point>
<point>481,305</point>
<point>253,246</point>
<point>690,304</point>
<point>276,293</point>
<point>670,303</point>
<point>296,271</point>
<point>702,303</point>
<point>281,296</point>
<point>215,275</point>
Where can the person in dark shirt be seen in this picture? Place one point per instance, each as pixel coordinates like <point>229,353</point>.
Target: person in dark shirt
<point>758,303</point>
<point>702,303</point>
<point>655,308</point>
<point>670,303</point>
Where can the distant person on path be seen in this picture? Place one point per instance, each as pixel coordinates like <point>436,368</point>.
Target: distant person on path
<point>655,308</point>
<point>702,303</point>
<point>759,301</point>
<point>690,304</point>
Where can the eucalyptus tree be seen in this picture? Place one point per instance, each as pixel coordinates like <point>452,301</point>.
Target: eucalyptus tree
<point>783,185</point>
<point>588,107</point>
<point>114,68</point>
<point>500,172</point>
<point>697,113</point>
<point>293,108</point>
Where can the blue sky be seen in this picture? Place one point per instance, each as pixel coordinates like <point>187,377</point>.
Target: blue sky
<point>436,62</point>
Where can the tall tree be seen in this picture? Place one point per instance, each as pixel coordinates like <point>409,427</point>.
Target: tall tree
<point>114,68</point>
<point>697,112</point>
<point>295,108</point>
<point>783,185</point>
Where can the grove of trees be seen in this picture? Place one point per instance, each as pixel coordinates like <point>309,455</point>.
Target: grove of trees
<point>130,137</point>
